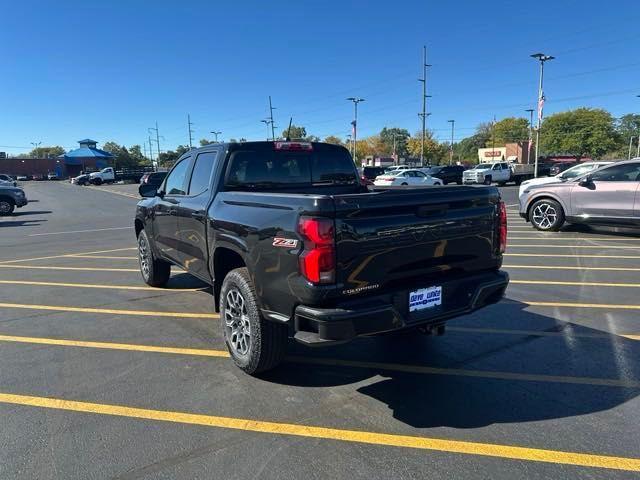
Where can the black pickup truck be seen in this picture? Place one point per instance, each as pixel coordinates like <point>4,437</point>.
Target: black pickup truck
<point>294,245</point>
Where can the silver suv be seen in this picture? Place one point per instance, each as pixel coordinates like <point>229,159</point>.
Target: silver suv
<point>607,196</point>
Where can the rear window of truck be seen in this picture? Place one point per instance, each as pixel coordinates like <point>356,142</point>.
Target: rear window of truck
<point>271,168</point>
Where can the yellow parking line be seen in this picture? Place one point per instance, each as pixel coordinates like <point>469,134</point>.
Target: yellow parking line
<point>571,267</point>
<point>418,369</point>
<point>582,239</point>
<point>89,285</point>
<point>61,308</point>
<point>539,333</point>
<point>115,346</point>
<point>573,255</point>
<point>607,306</point>
<point>343,435</point>
<point>577,284</point>
<point>90,269</point>
<point>528,245</point>
<point>103,256</point>
<point>66,255</point>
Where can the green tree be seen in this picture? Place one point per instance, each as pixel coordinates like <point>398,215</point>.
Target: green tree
<point>627,126</point>
<point>401,138</point>
<point>168,158</point>
<point>46,152</point>
<point>204,141</point>
<point>509,130</point>
<point>123,158</point>
<point>333,140</point>
<point>135,152</point>
<point>434,151</point>
<point>583,132</point>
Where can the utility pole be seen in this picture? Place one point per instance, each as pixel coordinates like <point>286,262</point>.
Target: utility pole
<point>190,130</point>
<point>144,149</point>
<point>541,57</point>
<point>530,110</point>
<point>151,150</point>
<point>423,115</point>
<point>452,122</point>
<point>631,146</point>
<point>355,101</point>
<point>273,130</point>
<point>216,135</point>
<point>267,122</point>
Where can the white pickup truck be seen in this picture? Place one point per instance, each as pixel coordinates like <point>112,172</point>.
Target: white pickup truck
<point>106,175</point>
<point>498,172</point>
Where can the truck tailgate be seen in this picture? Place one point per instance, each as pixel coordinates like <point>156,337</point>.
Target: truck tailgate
<point>398,238</point>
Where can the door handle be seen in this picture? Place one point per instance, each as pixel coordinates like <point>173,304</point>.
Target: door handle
<point>199,215</point>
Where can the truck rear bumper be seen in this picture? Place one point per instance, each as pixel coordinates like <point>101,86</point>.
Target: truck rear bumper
<point>389,312</point>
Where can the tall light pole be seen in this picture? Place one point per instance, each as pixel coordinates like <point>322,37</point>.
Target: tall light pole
<point>267,122</point>
<point>452,122</point>
<point>541,57</point>
<point>216,135</point>
<point>36,145</point>
<point>190,130</point>
<point>271,109</point>
<point>356,101</point>
<point>530,110</point>
<point>423,115</point>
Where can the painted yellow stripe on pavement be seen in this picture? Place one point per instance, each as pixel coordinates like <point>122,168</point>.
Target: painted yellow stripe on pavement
<point>89,285</point>
<point>79,269</point>
<point>572,255</point>
<point>540,333</point>
<point>606,306</point>
<point>418,369</point>
<point>576,284</point>
<point>572,267</point>
<point>343,435</point>
<point>115,346</point>
<point>529,245</point>
<point>145,313</point>
<point>103,257</point>
<point>66,255</point>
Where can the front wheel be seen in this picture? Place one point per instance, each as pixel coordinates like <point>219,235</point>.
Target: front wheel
<point>487,180</point>
<point>6,207</point>
<point>155,272</point>
<point>437,183</point>
<point>547,215</point>
<point>97,181</point>
<point>255,344</point>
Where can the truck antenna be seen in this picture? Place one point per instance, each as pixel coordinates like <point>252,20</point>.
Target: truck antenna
<point>288,139</point>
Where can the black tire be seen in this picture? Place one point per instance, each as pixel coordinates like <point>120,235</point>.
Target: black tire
<point>97,181</point>
<point>266,344</point>
<point>459,182</point>
<point>546,215</point>
<point>7,206</point>
<point>487,180</point>
<point>437,183</point>
<point>155,272</point>
<point>404,183</point>
<point>502,184</point>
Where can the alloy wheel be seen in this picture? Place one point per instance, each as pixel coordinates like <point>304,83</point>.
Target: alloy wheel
<point>236,320</point>
<point>143,256</point>
<point>544,216</point>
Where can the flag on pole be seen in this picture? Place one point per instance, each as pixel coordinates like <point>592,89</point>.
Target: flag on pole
<point>540,106</point>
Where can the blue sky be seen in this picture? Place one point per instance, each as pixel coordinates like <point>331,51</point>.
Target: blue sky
<point>109,70</point>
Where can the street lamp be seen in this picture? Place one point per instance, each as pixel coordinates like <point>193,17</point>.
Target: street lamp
<point>216,134</point>
<point>452,122</point>
<point>638,152</point>
<point>36,145</point>
<point>541,57</point>
<point>530,111</point>
<point>355,101</point>
<point>267,122</point>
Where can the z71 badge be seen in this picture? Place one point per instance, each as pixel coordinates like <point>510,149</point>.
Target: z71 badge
<point>285,242</point>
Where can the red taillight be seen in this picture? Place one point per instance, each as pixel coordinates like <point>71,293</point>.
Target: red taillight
<point>297,146</point>
<point>317,260</point>
<point>502,226</point>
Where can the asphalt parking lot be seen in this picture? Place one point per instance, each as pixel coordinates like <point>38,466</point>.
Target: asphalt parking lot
<point>104,377</point>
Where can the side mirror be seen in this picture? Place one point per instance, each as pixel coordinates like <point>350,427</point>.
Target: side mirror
<point>586,181</point>
<point>148,191</point>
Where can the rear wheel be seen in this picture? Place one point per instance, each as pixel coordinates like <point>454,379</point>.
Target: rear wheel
<point>97,181</point>
<point>155,272</point>
<point>547,215</point>
<point>6,206</point>
<point>255,344</point>
<point>437,183</point>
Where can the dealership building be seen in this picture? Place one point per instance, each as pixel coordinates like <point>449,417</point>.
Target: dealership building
<point>511,152</point>
<point>70,164</point>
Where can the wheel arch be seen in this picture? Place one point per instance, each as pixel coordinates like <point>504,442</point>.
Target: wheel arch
<point>224,260</point>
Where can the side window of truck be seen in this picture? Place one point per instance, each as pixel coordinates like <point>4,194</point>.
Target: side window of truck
<point>201,174</point>
<point>176,180</point>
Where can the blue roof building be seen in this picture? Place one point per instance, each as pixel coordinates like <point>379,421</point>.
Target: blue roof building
<point>88,155</point>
